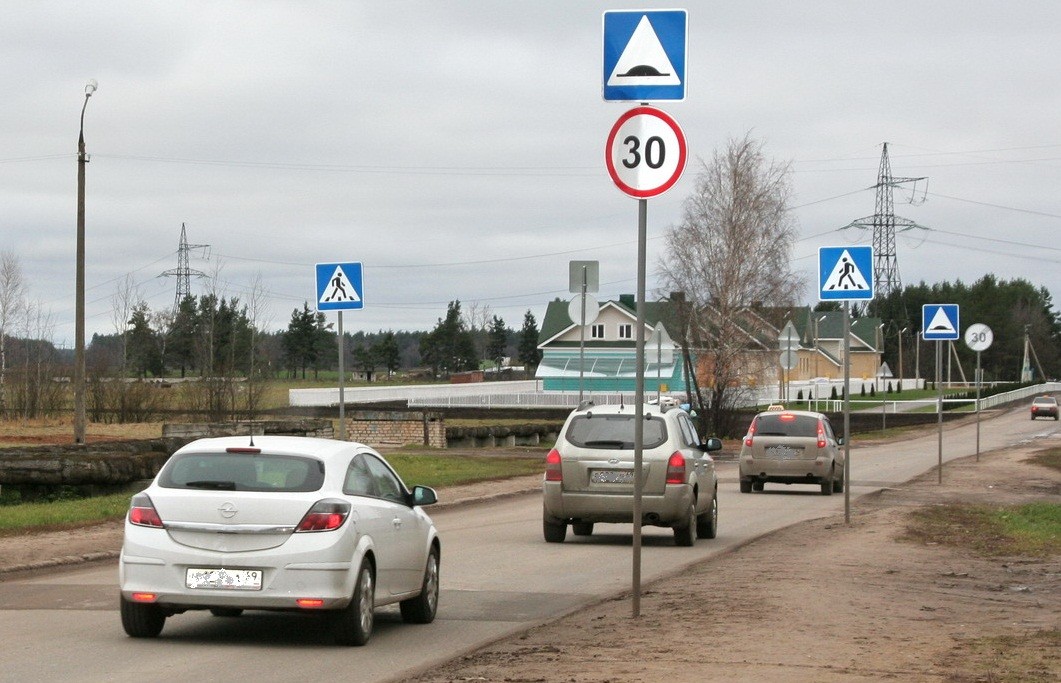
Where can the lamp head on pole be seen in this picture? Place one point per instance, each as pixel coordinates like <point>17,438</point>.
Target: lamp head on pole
<point>91,87</point>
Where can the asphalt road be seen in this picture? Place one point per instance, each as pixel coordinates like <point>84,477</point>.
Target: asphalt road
<point>498,577</point>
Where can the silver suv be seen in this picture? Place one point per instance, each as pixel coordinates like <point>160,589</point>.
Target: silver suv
<point>589,475</point>
<point>791,447</point>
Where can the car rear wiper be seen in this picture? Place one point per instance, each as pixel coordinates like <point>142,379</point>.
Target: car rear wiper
<point>212,484</point>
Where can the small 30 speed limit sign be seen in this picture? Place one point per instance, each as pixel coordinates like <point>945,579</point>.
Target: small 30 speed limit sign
<point>646,152</point>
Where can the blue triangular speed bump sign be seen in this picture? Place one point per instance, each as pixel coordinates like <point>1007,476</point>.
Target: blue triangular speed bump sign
<point>939,322</point>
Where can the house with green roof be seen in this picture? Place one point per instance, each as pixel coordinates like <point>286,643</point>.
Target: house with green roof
<point>605,348</point>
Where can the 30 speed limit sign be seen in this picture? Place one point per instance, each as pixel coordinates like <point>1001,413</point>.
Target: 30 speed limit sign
<point>646,152</point>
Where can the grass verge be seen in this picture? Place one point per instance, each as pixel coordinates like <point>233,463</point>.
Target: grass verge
<point>1030,658</point>
<point>427,470</point>
<point>1032,530</point>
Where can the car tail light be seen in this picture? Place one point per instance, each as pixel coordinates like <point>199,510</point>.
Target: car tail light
<point>325,515</point>
<point>310,603</point>
<point>142,512</point>
<point>821,434</point>
<point>144,597</point>
<point>751,433</point>
<point>553,469</point>
<point>676,469</point>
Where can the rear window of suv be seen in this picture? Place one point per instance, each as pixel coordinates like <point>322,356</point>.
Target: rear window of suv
<point>786,424</point>
<point>613,431</point>
<point>242,472</point>
<point>1045,401</point>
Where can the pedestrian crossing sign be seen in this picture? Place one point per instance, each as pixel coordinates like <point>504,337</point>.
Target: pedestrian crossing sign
<point>845,273</point>
<point>339,287</point>
<point>939,322</point>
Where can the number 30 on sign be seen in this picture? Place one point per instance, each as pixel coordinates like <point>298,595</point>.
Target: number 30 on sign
<point>646,152</point>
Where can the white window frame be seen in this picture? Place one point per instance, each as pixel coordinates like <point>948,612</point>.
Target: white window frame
<point>596,331</point>
<point>626,331</point>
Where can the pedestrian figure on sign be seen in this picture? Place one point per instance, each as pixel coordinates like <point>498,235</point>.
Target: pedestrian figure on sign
<point>337,287</point>
<point>846,273</point>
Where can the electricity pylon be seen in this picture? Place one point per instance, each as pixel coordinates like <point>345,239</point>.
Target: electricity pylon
<point>885,224</point>
<point>183,272</point>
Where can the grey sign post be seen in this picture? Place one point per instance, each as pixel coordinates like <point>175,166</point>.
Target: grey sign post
<point>583,279</point>
<point>978,337</point>
<point>846,274</point>
<point>788,342</point>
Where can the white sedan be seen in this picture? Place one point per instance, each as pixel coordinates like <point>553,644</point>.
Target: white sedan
<point>279,523</point>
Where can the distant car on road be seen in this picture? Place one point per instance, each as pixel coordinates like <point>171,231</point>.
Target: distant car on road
<point>278,523</point>
<point>791,447</point>
<point>589,474</point>
<point>1044,406</point>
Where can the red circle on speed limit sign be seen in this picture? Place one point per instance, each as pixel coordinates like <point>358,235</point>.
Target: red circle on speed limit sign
<point>646,152</point>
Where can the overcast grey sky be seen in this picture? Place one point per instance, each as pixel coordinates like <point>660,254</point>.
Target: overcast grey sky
<point>456,149</point>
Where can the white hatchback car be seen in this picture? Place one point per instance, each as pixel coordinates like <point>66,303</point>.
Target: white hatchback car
<point>589,474</point>
<point>279,523</point>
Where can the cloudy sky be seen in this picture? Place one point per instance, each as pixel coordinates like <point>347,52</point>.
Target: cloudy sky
<point>456,149</point>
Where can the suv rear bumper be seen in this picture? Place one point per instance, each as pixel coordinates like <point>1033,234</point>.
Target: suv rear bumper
<point>656,510</point>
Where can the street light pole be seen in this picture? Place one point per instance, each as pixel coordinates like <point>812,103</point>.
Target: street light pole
<point>79,286</point>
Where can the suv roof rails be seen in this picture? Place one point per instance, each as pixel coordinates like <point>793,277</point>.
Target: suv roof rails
<point>586,405</point>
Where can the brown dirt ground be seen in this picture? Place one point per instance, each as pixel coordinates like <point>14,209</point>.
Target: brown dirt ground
<point>864,605</point>
<point>823,601</point>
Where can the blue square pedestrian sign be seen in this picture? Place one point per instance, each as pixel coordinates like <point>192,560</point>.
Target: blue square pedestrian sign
<point>845,273</point>
<point>644,55</point>
<point>939,322</point>
<point>339,287</point>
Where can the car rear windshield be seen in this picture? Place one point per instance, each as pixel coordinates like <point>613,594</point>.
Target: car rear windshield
<point>1045,401</point>
<point>786,424</point>
<point>614,431</point>
<point>242,472</point>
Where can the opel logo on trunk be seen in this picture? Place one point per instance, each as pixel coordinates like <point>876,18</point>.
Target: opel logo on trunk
<point>228,510</point>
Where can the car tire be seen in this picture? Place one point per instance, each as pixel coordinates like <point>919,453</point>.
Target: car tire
<point>707,523</point>
<point>422,608</point>
<point>554,532</point>
<point>352,625</point>
<point>685,535</point>
<point>582,528</point>
<point>758,486</point>
<point>142,620</point>
<point>226,611</point>
<point>745,485</point>
<point>838,484</point>
<point>828,482</point>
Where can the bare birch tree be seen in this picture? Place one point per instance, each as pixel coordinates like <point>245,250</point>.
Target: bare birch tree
<point>730,253</point>
<point>12,303</point>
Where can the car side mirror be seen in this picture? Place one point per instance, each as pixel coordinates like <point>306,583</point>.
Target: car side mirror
<point>712,444</point>
<point>424,495</point>
<point>839,441</point>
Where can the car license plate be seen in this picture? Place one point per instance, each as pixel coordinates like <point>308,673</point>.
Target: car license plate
<point>784,452</point>
<point>612,476</point>
<point>226,579</point>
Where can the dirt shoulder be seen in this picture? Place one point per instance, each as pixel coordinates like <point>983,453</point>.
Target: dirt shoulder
<point>823,601</point>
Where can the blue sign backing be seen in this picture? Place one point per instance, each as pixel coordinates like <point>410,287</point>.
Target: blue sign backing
<point>939,322</point>
<point>339,287</point>
<point>845,273</point>
<point>644,55</point>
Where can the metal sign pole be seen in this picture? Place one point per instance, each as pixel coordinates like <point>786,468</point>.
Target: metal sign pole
<point>582,338</point>
<point>847,411</point>
<point>639,396</point>
<point>342,381</point>
<point>939,409</point>
<point>979,378</point>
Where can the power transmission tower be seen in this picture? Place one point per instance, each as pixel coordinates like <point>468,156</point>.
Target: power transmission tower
<point>885,224</point>
<point>183,272</point>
